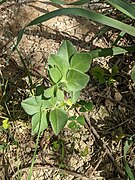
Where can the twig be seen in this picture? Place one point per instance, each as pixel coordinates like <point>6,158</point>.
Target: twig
<point>129,119</point>
<point>91,128</point>
<point>100,160</point>
<point>43,167</point>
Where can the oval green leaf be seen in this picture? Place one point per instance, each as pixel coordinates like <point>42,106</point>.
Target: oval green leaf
<point>76,80</point>
<point>83,109</point>
<point>72,125</point>
<point>55,74</point>
<point>75,96</point>
<point>89,106</point>
<point>81,120</point>
<point>50,103</point>
<point>49,92</point>
<point>60,95</point>
<point>60,62</point>
<point>32,105</point>
<point>66,50</point>
<point>39,122</point>
<point>58,119</point>
<point>81,62</point>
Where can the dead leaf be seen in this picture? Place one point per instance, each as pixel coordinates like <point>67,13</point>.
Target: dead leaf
<point>117,96</point>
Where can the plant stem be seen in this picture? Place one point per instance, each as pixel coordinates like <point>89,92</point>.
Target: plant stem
<point>35,151</point>
<point>34,156</point>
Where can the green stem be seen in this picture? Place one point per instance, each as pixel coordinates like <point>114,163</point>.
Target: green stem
<point>35,151</point>
<point>34,156</point>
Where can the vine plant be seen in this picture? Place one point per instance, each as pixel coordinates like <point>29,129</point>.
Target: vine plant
<point>67,74</point>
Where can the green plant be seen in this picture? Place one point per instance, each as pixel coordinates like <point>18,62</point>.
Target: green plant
<point>4,129</point>
<point>122,5</point>
<point>51,105</point>
<point>126,8</point>
<point>102,77</point>
<point>67,72</point>
<point>2,1</point>
<point>127,146</point>
<point>58,146</point>
<point>75,122</point>
<point>5,123</point>
<point>133,73</point>
<point>85,152</point>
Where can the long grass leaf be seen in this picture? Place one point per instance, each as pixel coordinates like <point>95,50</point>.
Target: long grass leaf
<point>79,2</point>
<point>87,14</point>
<point>123,6</point>
<point>19,37</point>
<point>133,73</point>
<point>2,1</point>
<point>111,51</point>
<point>128,170</point>
<point>59,2</point>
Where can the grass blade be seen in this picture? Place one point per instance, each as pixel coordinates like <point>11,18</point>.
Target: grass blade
<point>133,73</point>
<point>123,6</point>
<point>94,16</point>
<point>79,2</point>
<point>83,13</point>
<point>19,37</point>
<point>127,146</point>
<point>2,1</point>
<point>111,51</point>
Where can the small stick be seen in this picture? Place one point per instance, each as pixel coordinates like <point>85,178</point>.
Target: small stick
<point>42,167</point>
<point>91,128</point>
<point>100,160</point>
